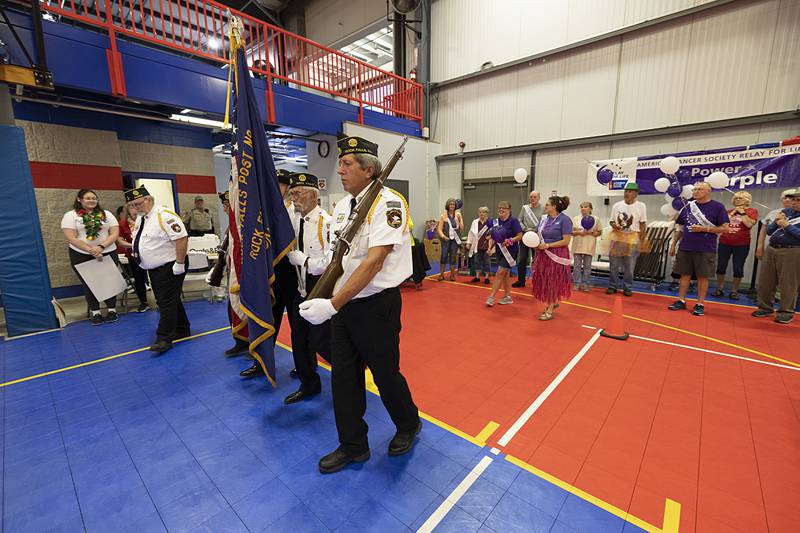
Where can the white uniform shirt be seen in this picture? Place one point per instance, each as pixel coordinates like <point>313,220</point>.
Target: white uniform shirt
<point>156,245</point>
<point>72,220</point>
<point>316,238</point>
<point>387,223</point>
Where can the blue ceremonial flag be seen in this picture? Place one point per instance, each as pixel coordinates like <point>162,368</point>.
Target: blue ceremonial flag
<point>264,228</point>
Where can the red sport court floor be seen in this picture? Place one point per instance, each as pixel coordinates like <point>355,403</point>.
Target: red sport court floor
<point>692,424</point>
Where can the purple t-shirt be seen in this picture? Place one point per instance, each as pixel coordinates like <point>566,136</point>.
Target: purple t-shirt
<point>715,212</point>
<point>554,229</point>
<point>512,227</point>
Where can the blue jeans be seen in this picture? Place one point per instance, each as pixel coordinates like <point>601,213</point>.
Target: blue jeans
<point>582,269</point>
<point>625,263</point>
<point>481,262</point>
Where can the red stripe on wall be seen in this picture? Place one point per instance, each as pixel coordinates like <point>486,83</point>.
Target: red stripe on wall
<point>188,183</point>
<point>65,176</point>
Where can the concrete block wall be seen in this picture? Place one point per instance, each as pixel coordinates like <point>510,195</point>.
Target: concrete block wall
<point>66,158</point>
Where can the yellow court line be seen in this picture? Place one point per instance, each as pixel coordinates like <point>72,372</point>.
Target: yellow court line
<point>672,509</point>
<point>102,360</point>
<point>653,323</point>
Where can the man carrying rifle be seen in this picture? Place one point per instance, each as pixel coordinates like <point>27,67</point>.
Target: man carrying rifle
<point>365,309</point>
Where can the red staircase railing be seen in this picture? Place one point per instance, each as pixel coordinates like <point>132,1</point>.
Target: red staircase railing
<point>199,28</point>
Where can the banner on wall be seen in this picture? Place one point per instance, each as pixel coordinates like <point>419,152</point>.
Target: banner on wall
<point>749,167</point>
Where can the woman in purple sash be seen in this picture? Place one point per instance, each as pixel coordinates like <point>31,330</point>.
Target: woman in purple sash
<point>551,267</point>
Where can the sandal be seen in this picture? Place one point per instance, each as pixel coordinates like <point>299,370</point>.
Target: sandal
<point>734,295</point>
<point>718,292</point>
<point>545,316</point>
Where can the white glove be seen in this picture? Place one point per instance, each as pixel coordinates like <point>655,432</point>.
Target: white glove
<point>317,266</point>
<point>297,258</point>
<point>178,268</point>
<point>317,310</point>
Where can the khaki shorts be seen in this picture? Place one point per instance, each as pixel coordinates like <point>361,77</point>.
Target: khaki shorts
<point>701,264</point>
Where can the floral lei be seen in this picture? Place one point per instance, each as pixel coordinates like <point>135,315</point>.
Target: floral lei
<point>93,222</point>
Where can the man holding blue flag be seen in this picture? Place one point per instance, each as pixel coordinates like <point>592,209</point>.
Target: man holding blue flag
<point>263,230</point>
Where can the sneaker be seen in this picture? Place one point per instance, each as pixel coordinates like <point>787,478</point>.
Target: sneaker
<point>761,313</point>
<point>718,292</point>
<point>97,319</point>
<point>611,290</point>
<point>490,301</point>
<point>674,286</point>
<point>585,288</point>
<point>476,279</point>
<point>142,308</point>
<point>784,318</point>
<point>677,305</point>
<point>111,316</point>
<point>733,296</point>
<point>627,292</point>
<point>487,281</point>
<point>698,310</point>
<point>691,288</point>
<point>505,300</point>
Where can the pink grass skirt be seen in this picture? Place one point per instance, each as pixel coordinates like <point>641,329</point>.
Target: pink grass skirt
<point>551,281</point>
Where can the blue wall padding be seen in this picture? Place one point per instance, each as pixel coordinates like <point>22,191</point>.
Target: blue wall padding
<point>24,282</point>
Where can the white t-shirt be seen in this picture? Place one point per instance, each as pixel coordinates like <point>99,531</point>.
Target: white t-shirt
<point>72,220</point>
<point>629,216</point>
<point>387,223</point>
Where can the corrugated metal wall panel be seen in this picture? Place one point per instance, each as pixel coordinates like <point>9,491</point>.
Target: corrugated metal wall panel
<point>590,91</point>
<point>541,96</point>
<point>783,84</point>
<point>652,77</point>
<point>497,111</point>
<point>728,61</point>
<point>542,26</point>
<point>638,11</point>
<point>588,18</point>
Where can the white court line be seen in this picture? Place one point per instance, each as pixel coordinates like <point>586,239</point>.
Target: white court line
<point>449,502</point>
<point>714,352</point>
<point>522,420</point>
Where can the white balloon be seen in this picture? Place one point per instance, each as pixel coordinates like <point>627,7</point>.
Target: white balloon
<point>662,184</point>
<point>531,239</point>
<point>520,175</point>
<point>669,165</point>
<point>668,211</point>
<point>686,192</point>
<point>718,180</point>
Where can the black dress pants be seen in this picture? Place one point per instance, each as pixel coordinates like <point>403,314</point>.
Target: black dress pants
<point>307,341</point>
<point>139,275</point>
<point>367,331</point>
<point>172,321</point>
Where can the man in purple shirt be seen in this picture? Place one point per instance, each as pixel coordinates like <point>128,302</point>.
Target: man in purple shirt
<point>696,228</point>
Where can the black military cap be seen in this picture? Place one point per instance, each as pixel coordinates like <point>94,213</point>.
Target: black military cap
<point>356,145</point>
<point>283,176</point>
<point>135,194</point>
<point>224,196</point>
<point>303,179</point>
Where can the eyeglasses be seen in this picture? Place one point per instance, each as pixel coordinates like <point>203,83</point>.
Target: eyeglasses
<point>137,203</point>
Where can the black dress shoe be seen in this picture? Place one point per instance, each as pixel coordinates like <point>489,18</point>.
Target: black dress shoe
<point>252,372</point>
<point>161,346</point>
<point>338,459</point>
<point>300,395</point>
<point>239,348</point>
<point>403,442</point>
<point>293,374</point>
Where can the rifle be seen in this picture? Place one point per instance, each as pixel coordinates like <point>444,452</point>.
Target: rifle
<point>344,237</point>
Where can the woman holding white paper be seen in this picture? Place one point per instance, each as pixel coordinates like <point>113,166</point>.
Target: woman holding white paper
<point>92,235</point>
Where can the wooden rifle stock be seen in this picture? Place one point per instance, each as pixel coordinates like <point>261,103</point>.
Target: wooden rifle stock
<point>326,283</point>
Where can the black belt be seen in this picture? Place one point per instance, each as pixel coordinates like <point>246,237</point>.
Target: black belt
<point>784,245</point>
<point>375,296</point>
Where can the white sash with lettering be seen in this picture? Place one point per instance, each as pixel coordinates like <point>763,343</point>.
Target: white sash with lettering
<point>454,230</point>
<point>504,251</point>
<point>698,214</point>
<point>565,261</point>
<point>474,246</point>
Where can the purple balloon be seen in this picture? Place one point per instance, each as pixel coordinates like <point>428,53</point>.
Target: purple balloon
<point>498,234</point>
<point>587,222</point>
<point>678,203</point>
<point>605,175</point>
<point>684,176</point>
<point>675,189</point>
<point>459,204</point>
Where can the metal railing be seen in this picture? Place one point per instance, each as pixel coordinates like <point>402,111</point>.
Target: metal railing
<point>200,28</point>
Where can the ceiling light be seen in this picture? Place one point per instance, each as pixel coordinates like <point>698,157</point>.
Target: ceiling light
<point>213,43</point>
<point>200,121</point>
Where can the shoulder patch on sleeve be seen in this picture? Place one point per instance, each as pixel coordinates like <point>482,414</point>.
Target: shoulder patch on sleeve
<point>394,217</point>
<point>176,227</point>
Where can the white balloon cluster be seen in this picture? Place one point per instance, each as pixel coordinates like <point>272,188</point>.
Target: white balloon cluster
<point>520,175</point>
<point>669,184</point>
